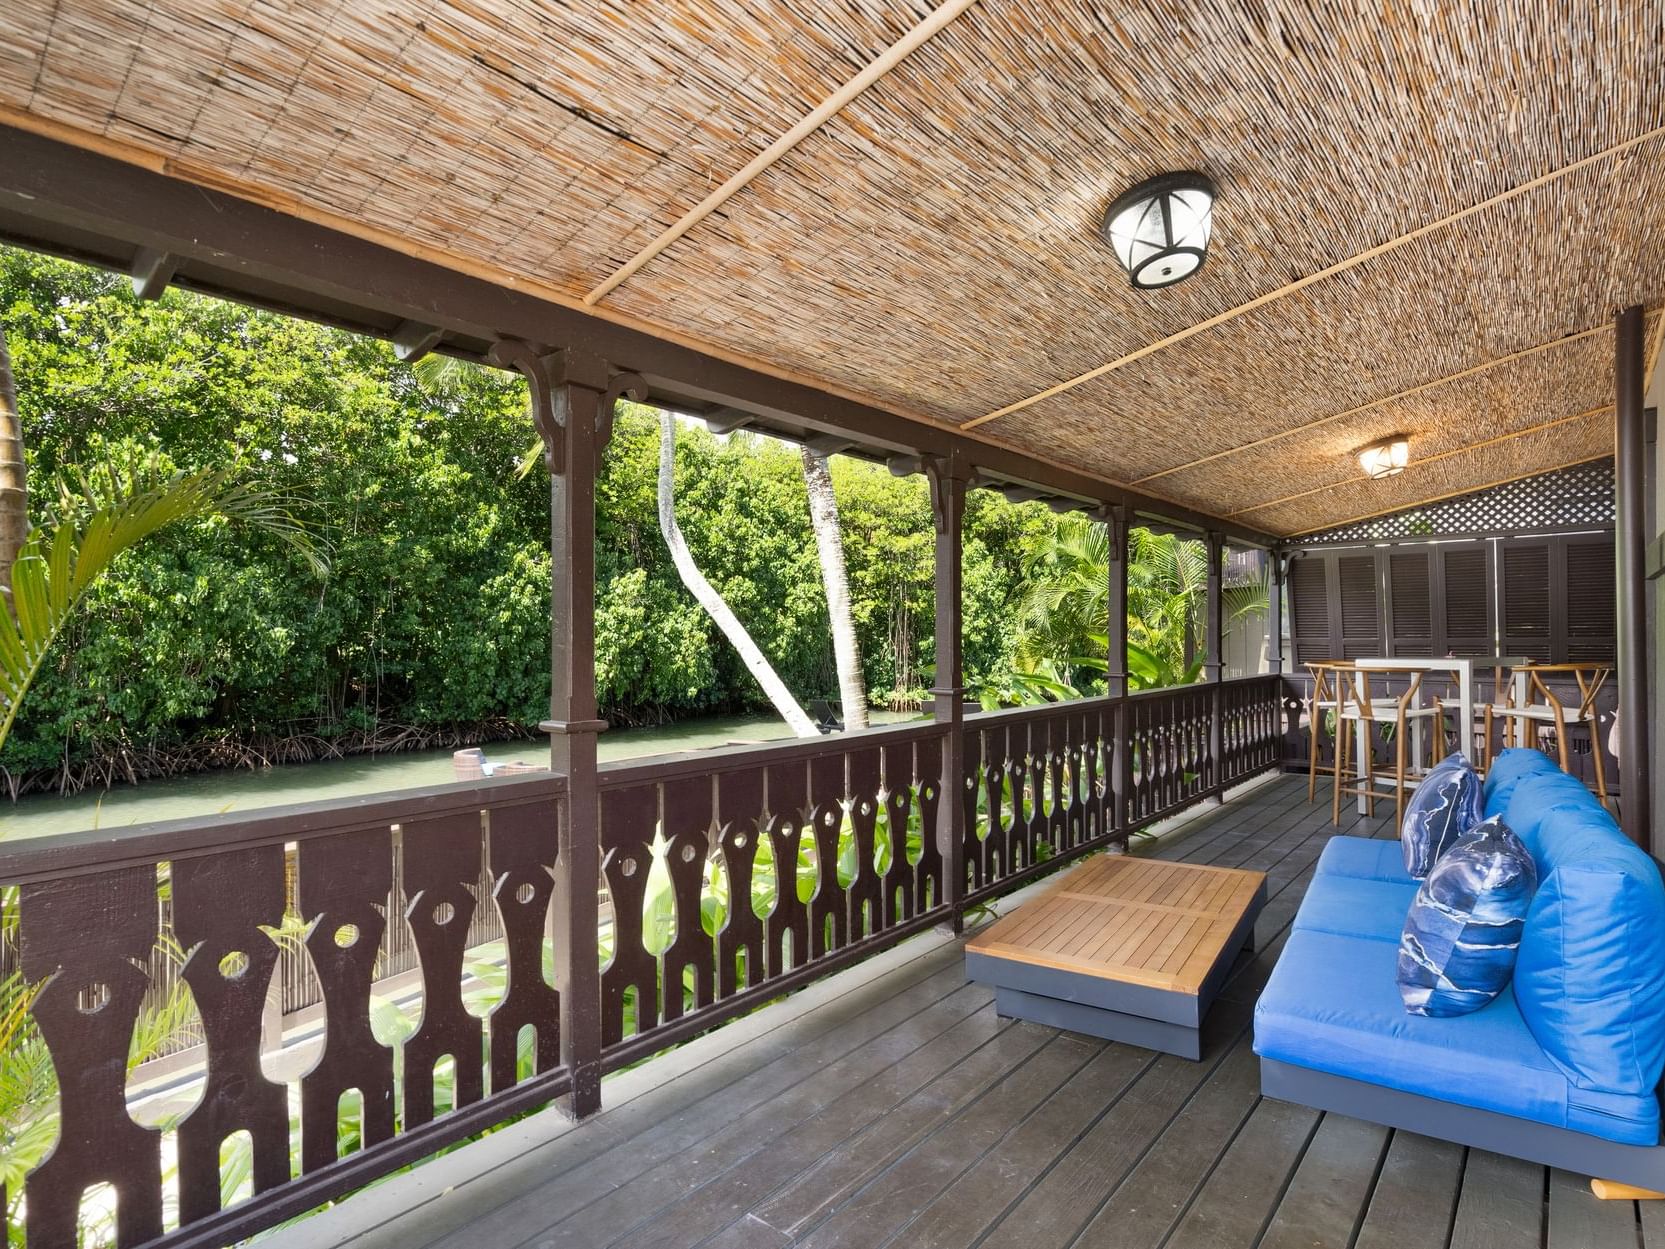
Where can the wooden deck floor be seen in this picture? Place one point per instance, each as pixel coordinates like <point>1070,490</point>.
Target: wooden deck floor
<point>896,1109</point>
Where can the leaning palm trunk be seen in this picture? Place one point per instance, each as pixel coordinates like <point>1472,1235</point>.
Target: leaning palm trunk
<point>708,598</point>
<point>14,486</point>
<point>829,544</point>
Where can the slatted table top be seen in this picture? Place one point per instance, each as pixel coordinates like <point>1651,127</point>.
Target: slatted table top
<point>1138,921</point>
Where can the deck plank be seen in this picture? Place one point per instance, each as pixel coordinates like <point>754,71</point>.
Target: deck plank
<point>1502,1204</point>
<point>667,1185</point>
<point>1145,1202</point>
<point>875,1212</point>
<point>1243,1188</point>
<point>1324,1204</point>
<point>745,1119</point>
<point>1578,1219</point>
<point>632,1137</point>
<point>961,1213</point>
<point>797,1205</point>
<point>718,1194</point>
<point>1416,1195</point>
<point>862,1131</point>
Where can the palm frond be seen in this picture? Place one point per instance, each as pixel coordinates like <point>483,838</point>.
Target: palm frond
<point>97,515</point>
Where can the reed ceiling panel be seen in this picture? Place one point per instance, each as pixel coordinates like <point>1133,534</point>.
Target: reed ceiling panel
<point>934,246</point>
<point>1572,443</point>
<point>564,136</point>
<point>1502,402</point>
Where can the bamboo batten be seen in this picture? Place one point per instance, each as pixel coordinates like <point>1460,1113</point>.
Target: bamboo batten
<point>933,246</point>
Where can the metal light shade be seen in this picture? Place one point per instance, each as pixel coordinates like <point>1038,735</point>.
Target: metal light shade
<point>1159,230</point>
<point>1384,459</point>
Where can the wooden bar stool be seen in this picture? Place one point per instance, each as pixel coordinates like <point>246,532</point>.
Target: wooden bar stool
<point>1324,699</point>
<point>1360,706</point>
<point>1525,723</point>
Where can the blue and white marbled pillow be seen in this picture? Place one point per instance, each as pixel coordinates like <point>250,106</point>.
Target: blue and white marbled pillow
<point>1445,806</point>
<point>1464,926</point>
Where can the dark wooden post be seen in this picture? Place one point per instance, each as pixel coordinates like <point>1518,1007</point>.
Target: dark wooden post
<point>949,477</point>
<point>1274,611</point>
<point>1115,518</point>
<point>1214,660</point>
<point>573,412</point>
<point>1631,543</point>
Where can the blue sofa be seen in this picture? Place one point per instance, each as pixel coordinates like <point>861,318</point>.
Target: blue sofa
<point>1563,1068</point>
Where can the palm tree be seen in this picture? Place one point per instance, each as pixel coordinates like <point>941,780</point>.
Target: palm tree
<point>97,515</point>
<point>1062,615</point>
<point>706,595</point>
<point>829,544</point>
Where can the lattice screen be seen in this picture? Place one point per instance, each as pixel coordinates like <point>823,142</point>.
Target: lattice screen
<point>1580,495</point>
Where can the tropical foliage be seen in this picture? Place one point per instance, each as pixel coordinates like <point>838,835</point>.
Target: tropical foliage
<point>435,611</point>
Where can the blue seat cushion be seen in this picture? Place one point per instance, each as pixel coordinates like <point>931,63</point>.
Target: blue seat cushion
<point>1364,857</point>
<point>1464,927</point>
<point>1444,806</point>
<point>1508,770</point>
<point>1590,977</point>
<point>1332,1005</point>
<point>1355,906</point>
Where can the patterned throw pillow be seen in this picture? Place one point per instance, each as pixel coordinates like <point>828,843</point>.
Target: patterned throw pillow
<point>1445,806</point>
<point>1464,926</point>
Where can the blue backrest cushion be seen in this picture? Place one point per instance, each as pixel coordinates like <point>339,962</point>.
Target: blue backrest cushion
<point>1508,770</point>
<point>1446,804</point>
<point>1590,976</point>
<point>1464,927</point>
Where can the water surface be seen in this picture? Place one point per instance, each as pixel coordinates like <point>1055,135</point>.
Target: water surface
<point>209,793</point>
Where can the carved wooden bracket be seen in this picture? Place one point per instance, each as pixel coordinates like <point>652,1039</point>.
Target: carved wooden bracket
<point>552,375</point>
<point>516,353</point>
<point>950,476</point>
<point>622,386</point>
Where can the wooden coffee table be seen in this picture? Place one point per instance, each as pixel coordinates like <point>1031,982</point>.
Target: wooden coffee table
<point>1125,948</point>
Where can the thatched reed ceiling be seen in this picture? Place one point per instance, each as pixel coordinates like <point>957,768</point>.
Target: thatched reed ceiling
<point>934,245</point>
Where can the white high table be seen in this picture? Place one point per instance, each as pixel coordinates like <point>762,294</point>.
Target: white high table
<point>1462,669</point>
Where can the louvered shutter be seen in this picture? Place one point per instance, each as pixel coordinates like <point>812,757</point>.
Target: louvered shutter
<point>1361,617</point>
<point>1591,600</point>
<point>1410,602</point>
<point>1526,598</point>
<point>1465,591</point>
<point>1309,607</point>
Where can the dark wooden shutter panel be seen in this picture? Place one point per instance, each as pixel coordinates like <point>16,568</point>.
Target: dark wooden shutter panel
<point>1361,620</point>
<point>1526,599</point>
<point>1592,606</point>
<point>1309,606</point>
<point>1411,602</point>
<point>1467,590</point>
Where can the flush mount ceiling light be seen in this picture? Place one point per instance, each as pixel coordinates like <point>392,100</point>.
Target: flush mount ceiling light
<point>1385,458</point>
<point>1159,230</point>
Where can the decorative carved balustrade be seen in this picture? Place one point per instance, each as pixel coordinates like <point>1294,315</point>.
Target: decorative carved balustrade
<point>1252,726</point>
<point>1167,735</point>
<point>1039,784</point>
<point>93,909</point>
<point>735,874</point>
<point>732,877</point>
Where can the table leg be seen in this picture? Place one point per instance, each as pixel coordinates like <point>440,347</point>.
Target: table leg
<point>1361,759</point>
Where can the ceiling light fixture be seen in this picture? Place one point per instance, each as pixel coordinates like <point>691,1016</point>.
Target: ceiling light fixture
<point>1159,230</point>
<point>1385,458</point>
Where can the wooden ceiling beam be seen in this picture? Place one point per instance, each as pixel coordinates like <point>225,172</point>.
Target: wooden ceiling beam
<point>1300,284</point>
